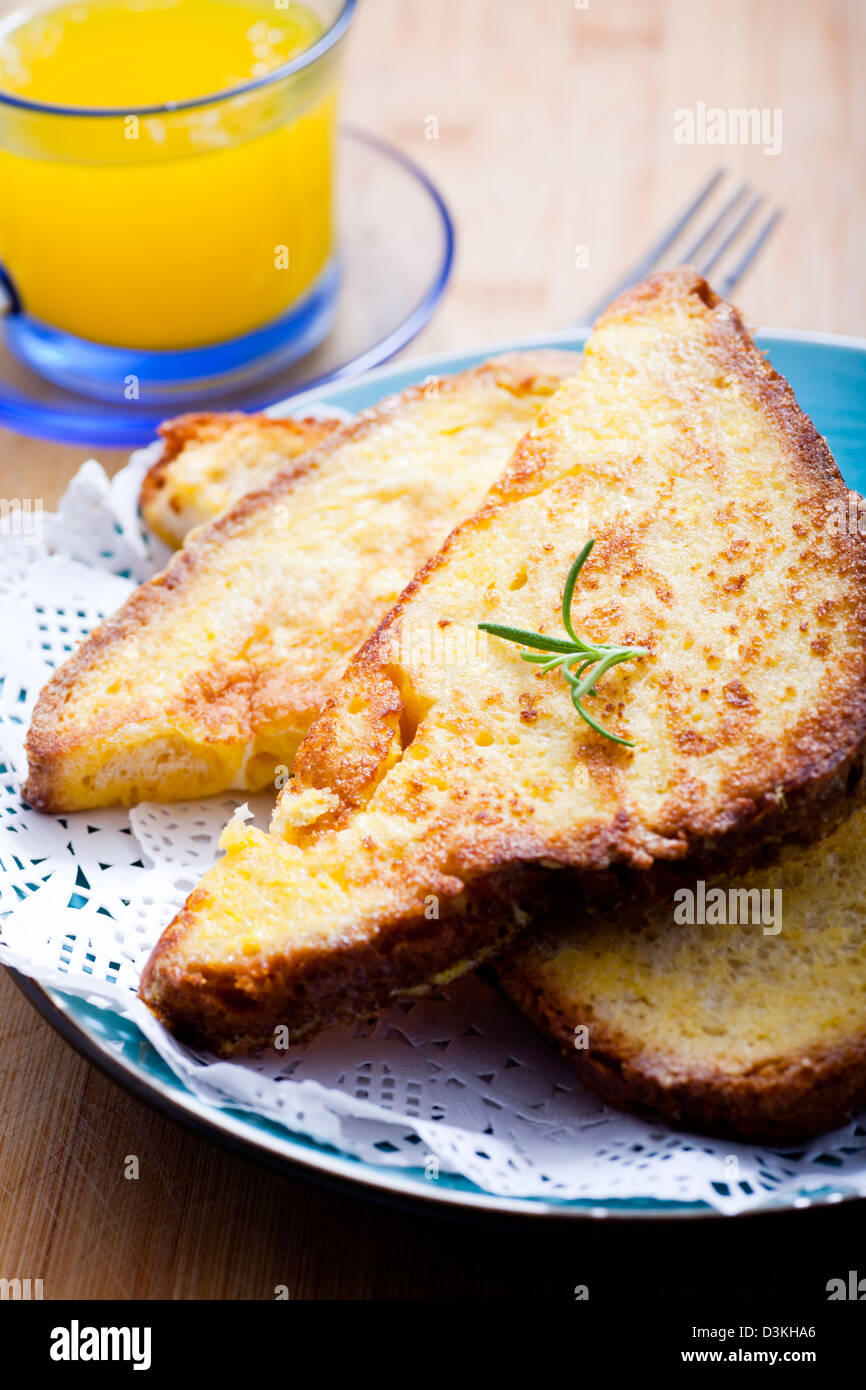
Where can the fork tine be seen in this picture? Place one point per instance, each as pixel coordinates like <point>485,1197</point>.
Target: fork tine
<point>717,222</point>
<point>654,255</point>
<point>734,276</point>
<point>742,221</point>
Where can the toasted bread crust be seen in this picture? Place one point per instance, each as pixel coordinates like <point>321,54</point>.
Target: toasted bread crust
<point>175,496</point>
<point>780,1102</point>
<point>234,1005</point>
<point>394,785</point>
<point>749,1029</point>
<point>232,1011</point>
<point>228,721</point>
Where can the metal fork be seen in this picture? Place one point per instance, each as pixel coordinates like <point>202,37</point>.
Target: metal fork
<point>724,233</point>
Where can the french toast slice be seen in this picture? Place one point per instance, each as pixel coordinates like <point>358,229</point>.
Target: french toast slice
<point>742,1016</point>
<point>208,676</point>
<point>446,788</point>
<point>209,461</point>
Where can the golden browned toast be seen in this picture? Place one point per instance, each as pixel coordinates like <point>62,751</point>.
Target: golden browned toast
<point>733,1005</point>
<point>208,462</point>
<point>208,676</point>
<point>446,785</point>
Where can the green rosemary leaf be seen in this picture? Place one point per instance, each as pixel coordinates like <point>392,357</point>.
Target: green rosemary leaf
<point>541,658</point>
<point>568,591</point>
<point>529,639</point>
<point>592,660</point>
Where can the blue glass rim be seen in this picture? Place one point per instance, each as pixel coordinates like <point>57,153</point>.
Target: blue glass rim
<point>82,422</point>
<point>317,50</point>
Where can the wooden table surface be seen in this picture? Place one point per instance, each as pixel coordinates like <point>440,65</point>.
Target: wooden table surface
<point>555,131</point>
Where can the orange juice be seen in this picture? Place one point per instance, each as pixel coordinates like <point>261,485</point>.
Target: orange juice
<point>148,225</point>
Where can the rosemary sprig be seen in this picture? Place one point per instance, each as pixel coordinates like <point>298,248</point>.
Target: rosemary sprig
<point>574,657</point>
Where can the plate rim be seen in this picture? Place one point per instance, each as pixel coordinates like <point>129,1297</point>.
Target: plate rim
<point>332,1169</point>
<point>282,1152</point>
<point>386,1186</point>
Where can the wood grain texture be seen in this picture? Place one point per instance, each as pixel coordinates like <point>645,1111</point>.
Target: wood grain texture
<point>555,130</point>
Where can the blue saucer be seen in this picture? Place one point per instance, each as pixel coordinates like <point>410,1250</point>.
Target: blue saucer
<point>395,255</point>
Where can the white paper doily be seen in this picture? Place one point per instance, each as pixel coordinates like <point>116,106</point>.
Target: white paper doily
<point>456,1083</point>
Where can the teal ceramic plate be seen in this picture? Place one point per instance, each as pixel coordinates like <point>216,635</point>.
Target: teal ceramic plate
<point>829,377</point>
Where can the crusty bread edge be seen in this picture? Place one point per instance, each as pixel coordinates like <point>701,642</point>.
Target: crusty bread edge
<point>779,1102</point>
<point>232,1008</point>
<point>237,1010</point>
<point>183,430</point>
